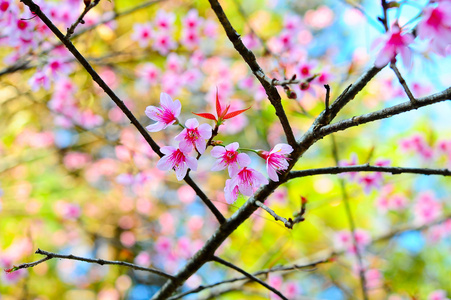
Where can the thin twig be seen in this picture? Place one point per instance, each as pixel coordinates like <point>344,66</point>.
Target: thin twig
<point>288,223</point>
<point>95,76</point>
<point>87,8</point>
<point>50,255</point>
<point>368,168</point>
<point>327,87</point>
<point>351,223</point>
<point>403,83</point>
<point>248,275</point>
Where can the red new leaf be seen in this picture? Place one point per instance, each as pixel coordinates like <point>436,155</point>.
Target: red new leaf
<point>206,116</point>
<point>235,113</point>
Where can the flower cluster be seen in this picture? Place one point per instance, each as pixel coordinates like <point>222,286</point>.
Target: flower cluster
<point>243,179</point>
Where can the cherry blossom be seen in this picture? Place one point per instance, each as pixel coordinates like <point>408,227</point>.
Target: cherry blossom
<point>192,20</point>
<point>427,208</point>
<point>142,33</point>
<point>177,159</point>
<point>164,21</point>
<point>245,181</point>
<point>163,43</point>
<point>438,295</point>
<point>394,42</point>
<point>276,160</point>
<point>165,115</point>
<point>229,157</point>
<point>194,135</point>
<point>436,27</point>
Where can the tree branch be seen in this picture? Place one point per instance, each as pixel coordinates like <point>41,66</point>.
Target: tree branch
<point>248,275</point>
<point>36,10</point>
<point>249,58</point>
<point>87,8</point>
<point>385,113</point>
<point>288,223</point>
<point>50,255</point>
<point>403,83</point>
<point>368,168</point>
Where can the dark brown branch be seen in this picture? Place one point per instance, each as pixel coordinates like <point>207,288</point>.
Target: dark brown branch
<point>368,168</point>
<point>36,10</point>
<point>288,223</point>
<point>385,113</point>
<point>248,275</point>
<point>50,255</point>
<point>249,58</point>
<point>403,83</point>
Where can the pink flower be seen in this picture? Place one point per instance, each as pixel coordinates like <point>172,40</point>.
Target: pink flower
<point>164,21</point>
<point>194,135</point>
<point>166,115</point>
<point>192,20</point>
<point>427,208</point>
<point>163,43</point>
<point>38,80</point>
<point>228,156</point>
<point>142,33</point>
<point>395,42</point>
<point>244,181</point>
<point>436,26</point>
<point>438,295</point>
<point>178,160</point>
<point>276,160</point>
<point>148,74</point>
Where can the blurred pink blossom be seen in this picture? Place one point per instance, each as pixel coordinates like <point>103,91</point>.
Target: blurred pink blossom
<point>435,26</point>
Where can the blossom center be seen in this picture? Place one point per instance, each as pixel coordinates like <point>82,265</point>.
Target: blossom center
<point>435,19</point>
<point>177,158</point>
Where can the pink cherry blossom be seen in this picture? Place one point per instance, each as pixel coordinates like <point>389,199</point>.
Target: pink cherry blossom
<point>436,27</point>
<point>177,159</point>
<point>142,33</point>
<point>438,295</point>
<point>192,20</point>
<point>194,135</point>
<point>276,160</point>
<point>38,80</point>
<point>165,115</point>
<point>427,208</point>
<point>190,39</point>
<point>395,42</point>
<point>164,21</point>
<point>228,156</point>
<point>247,180</point>
<point>163,43</point>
